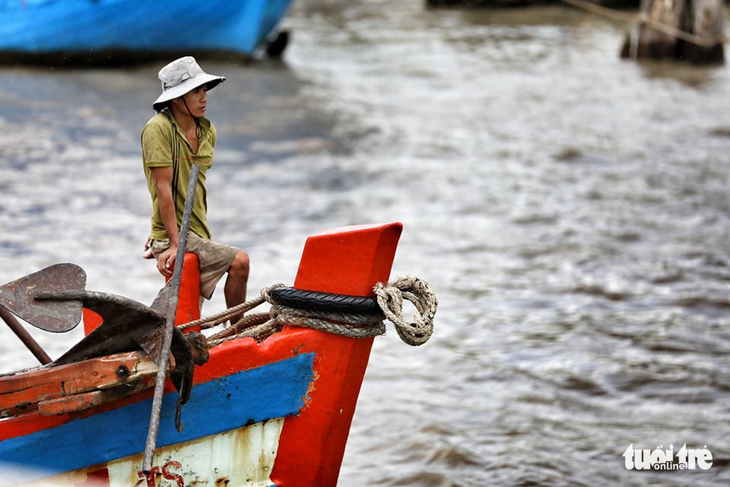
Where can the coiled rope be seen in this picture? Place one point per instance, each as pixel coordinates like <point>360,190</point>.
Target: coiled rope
<point>361,323</point>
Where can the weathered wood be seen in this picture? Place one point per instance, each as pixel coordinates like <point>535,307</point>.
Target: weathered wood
<point>707,21</point>
<point>44,384</point>
<point>88,400</point>
<point>688,30</point>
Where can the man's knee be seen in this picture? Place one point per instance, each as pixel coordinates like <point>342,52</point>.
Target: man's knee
<point>240,266</point>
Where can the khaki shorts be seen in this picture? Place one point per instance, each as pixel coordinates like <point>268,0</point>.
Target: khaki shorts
<point>215,260</point>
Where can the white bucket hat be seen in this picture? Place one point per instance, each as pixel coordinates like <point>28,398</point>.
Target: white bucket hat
<point>181,76</point>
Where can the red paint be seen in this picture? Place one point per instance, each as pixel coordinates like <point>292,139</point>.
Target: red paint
<point>188,300</point>
<point>95,479</point>
<point>148,478</point>
<point>348,260</point>
<point>345,261</point>
<point>171,475</point>
<point>92,320</point>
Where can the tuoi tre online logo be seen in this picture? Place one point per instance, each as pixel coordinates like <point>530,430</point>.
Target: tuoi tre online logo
<point>659,459</point>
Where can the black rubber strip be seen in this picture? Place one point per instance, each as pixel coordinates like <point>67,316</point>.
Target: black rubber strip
<point>317,301</point>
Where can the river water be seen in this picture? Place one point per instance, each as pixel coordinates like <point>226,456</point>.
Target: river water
<point>570,210</point>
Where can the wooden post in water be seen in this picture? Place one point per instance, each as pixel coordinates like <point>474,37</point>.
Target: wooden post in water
<point>687,30</point>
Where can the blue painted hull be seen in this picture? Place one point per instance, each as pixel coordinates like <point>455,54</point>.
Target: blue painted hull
<point>83,26</point>
<point>231,402</point>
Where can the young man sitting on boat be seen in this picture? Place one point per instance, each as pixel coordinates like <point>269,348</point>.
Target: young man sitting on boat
<point>172,141</point>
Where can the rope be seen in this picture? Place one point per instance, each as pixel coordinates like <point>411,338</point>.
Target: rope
<point>225,315</point>
<point>390,299</point>
<point>260,326</point>
<point>642,18</point>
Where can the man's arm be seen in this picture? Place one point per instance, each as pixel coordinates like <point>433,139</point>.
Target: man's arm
<point>163,185</point>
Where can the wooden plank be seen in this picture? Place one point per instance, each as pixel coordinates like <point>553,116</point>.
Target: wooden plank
<point>48,383</point>
<point>41,375</point>
<point>88,400</point>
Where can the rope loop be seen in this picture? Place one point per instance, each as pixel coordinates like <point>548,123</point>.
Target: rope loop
<point>390,298</point>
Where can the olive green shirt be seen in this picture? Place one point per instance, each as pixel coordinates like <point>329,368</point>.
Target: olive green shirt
<point>164,145</point>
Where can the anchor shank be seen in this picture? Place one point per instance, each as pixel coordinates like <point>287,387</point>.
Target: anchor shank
<point>24,336</point>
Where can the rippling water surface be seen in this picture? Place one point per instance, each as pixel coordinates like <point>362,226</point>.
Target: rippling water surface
<point>570,210</point>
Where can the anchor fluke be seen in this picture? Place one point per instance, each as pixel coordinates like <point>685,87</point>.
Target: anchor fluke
<point>18,297</point>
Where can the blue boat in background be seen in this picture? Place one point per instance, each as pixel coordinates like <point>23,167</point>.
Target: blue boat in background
<point>119,31</point>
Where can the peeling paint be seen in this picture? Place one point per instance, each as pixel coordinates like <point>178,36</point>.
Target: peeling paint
<point>244,456</point>
<point>310,389</point>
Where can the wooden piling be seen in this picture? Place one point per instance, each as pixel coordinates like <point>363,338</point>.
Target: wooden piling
<point>686,30</point>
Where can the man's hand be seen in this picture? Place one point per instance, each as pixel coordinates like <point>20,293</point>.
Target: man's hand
<point>166,261</point>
